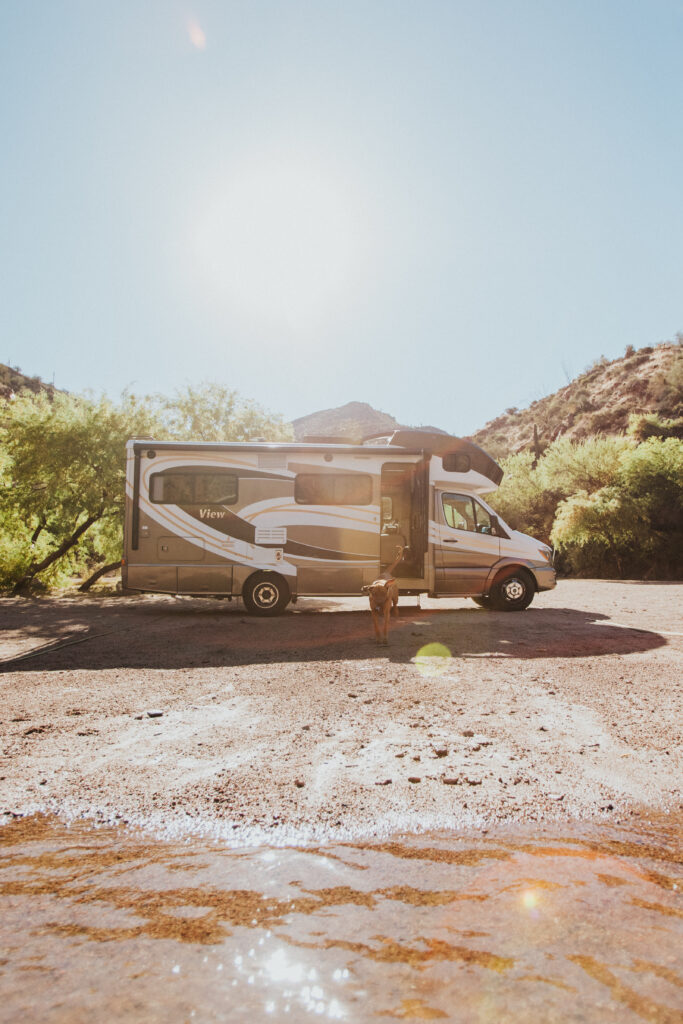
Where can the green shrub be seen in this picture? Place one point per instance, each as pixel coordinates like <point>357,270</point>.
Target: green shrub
<point>652,425</point>
<point>570,466</point>
<point>522,500</point>
<point>634,525</point>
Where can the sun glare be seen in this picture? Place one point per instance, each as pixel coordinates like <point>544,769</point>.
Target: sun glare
<point>280,244</point>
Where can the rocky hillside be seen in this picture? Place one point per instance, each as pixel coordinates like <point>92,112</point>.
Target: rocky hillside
<point>12,380</point>
<point>352,421</point>
<point>598,401</point>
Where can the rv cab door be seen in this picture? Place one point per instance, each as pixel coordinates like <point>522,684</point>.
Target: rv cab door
<point>465,546</point>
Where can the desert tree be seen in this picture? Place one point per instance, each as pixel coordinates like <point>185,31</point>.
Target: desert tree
<point>63,471</point>
<point>213,412</point>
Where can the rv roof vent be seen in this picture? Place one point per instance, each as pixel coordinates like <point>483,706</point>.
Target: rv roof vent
<point>272,460</point>
<point>377,440</point>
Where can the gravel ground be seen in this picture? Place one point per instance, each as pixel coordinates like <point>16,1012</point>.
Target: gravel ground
<point>189,716</point>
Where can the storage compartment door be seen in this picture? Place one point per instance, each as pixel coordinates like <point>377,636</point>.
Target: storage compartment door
<point>209,579</point>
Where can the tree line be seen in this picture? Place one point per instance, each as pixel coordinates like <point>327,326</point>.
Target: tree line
<point>611,506</point>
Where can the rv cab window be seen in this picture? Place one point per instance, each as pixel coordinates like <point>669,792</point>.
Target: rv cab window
<point>462,512</point>
<point>458,511</point>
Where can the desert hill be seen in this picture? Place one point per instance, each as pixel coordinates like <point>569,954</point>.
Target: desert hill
<point>12,380</point>
<point>597,402</point>
<point>352,421</point>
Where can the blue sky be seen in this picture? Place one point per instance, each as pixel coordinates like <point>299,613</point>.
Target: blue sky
<point>440,208</point>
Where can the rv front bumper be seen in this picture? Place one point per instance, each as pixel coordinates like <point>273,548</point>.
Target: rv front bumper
<point>546,576</point>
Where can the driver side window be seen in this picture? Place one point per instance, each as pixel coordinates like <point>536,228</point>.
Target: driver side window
<point>458,512</point>
<point>464,513</point>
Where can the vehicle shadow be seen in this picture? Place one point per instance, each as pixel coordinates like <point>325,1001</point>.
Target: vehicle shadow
<point>187,634</point>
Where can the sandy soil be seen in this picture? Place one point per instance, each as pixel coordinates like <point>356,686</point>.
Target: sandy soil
<point>300,727</point>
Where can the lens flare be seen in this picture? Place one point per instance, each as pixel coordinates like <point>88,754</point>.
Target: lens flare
<point>529,899</point>
<point>433,659</point>
<point>196,34</point>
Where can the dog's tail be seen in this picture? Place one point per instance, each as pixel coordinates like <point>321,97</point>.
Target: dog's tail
<point>399,556</point>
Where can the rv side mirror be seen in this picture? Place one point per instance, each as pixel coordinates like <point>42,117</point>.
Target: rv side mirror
<point>494,526</point>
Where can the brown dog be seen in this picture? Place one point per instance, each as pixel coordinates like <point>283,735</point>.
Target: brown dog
<point>383,595</point>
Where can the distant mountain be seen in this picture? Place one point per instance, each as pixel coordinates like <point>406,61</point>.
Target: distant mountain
<point>12,381</point>
<point>352,421</point>
<point>597,402</point>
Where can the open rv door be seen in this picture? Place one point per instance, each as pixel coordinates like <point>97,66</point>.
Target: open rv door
<point>405,515</point>
<point>420,518</point>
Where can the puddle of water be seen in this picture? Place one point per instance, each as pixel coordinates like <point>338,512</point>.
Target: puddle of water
<point>104,924</point>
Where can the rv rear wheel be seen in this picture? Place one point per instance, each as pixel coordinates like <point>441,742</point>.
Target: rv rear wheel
<point>265,593</point>
<point>513,591</point>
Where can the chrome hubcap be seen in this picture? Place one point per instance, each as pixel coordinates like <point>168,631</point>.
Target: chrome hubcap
<point>266,595</point>
<point>513,590</point>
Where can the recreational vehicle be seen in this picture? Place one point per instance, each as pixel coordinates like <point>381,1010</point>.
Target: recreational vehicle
<point>274,522</point>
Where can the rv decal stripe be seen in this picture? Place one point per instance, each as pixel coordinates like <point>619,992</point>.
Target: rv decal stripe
<point>293,547</point>
<point>290,513</point>
<point>224,521</point>
<point>231,525</point>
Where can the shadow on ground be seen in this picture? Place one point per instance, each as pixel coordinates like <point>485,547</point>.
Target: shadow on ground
<point>190,634</point>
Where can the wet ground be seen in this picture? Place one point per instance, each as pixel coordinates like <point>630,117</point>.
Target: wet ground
<point>580,923</point>
<point>537,755</point>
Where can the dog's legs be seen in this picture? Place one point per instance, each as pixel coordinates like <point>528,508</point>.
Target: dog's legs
<point>387,613</point>
<point>375,622</point>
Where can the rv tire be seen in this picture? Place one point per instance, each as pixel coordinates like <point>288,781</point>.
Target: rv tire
<point>265,593</point>
<point>512,591</point>
<point>483,602</point>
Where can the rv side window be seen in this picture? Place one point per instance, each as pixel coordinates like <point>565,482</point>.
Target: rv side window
<point>184,488</point>
<point>333,489</point>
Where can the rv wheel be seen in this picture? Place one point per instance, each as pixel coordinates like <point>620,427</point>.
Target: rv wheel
<point>483,602</point>
<point>265,593</point>
<point>512,592</point>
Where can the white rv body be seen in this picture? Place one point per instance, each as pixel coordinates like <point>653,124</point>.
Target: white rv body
<point>270,522</point>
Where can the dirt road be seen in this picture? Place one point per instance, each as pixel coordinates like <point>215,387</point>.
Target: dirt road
<point>300,727</point>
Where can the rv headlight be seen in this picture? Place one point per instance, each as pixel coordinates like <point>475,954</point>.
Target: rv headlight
<point>546,553</point>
